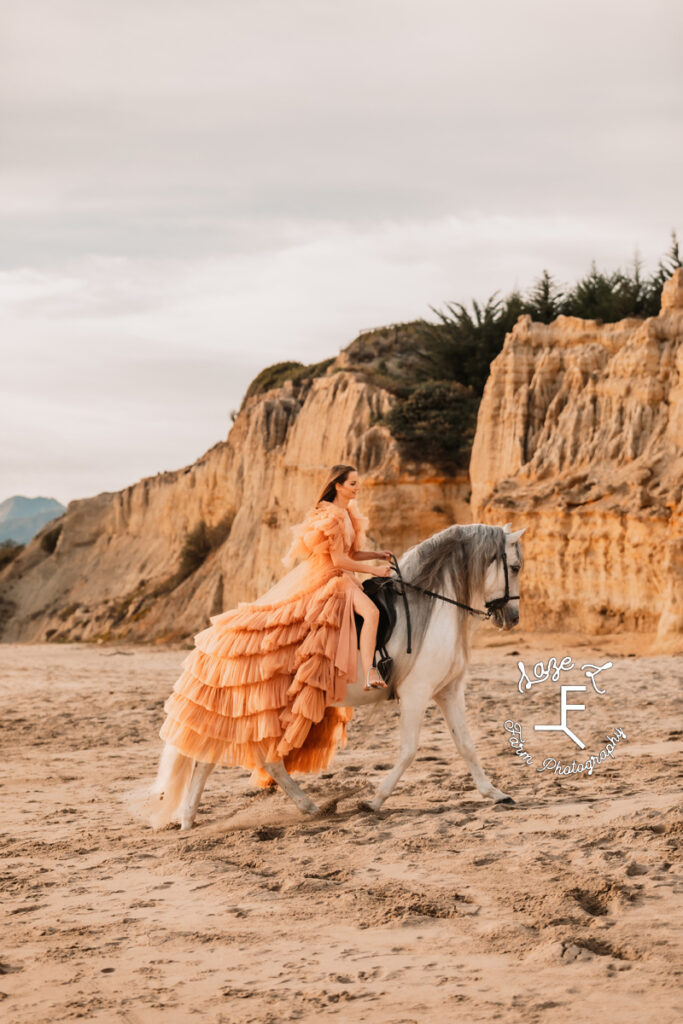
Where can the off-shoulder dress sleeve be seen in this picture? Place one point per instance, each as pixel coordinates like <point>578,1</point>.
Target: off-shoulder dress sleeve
<point>321,533</point>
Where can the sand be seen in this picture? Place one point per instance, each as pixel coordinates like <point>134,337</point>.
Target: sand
<point>562,907</point>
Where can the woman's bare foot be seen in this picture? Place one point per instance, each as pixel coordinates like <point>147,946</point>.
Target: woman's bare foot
<point>374,680</point>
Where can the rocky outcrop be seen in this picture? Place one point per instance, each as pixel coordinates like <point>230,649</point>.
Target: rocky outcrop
<point>113,569</point>
<point>580,439</point>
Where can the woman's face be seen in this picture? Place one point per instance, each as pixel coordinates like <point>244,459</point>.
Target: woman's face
<point>349,488</point>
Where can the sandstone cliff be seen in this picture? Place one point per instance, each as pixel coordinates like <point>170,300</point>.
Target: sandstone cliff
<point>580,439</point>
<point>112,572</point>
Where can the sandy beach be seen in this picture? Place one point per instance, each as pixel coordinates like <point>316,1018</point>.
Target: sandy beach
<point>565,906</point>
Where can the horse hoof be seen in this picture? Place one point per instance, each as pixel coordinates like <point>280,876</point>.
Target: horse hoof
<point>310,809</point>
<point>505,800</point>
<point>366,805</point>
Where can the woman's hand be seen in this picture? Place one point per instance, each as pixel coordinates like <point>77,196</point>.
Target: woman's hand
<point>386,555</point>
<point>381,570</point>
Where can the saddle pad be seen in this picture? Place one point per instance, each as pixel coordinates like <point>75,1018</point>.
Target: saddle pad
<point>380,590</point>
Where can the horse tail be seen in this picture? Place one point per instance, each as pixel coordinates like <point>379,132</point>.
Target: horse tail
<point>171,785</point>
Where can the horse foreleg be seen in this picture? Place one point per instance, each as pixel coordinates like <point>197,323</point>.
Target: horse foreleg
<point>413,707</point>
<point>451,701</point>
<point>201,772</point>
<point>277,771</point>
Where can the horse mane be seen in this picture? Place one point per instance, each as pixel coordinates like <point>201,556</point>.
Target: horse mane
<point>452,562</point>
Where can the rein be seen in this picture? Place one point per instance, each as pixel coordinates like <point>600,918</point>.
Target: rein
<point>492,606</point>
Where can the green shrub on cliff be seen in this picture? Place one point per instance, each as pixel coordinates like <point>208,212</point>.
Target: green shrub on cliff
<point>200,542</point>
<point>463,344</point>
<point>460,347</point>
<point>275,376</point>
<point>436,423</point>
<point>437,371</point>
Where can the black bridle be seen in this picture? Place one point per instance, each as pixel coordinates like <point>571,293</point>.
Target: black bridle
<point>494,605</point>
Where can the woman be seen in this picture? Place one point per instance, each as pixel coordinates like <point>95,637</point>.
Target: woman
<point>259,683</point>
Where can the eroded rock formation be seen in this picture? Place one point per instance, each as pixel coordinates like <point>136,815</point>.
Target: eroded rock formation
<point>580,439</point>
<point>113,571</point>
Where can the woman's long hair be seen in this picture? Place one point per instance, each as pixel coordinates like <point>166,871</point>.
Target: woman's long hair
<point>338,475</point>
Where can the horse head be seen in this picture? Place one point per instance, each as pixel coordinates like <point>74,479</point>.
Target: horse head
<point>501,583</point>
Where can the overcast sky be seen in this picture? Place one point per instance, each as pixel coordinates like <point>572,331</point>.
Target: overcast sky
<point>193,189</point>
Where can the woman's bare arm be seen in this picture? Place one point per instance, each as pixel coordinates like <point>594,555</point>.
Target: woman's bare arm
<point>364,555</point>
<point>356,565</point>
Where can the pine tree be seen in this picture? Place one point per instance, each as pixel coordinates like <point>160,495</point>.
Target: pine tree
<point>665,268</point>
<point>544,299</point>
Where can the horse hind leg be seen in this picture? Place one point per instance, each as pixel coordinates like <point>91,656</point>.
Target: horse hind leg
<point>451,701</point>
<point>277,771</point>
<point>201,772</point>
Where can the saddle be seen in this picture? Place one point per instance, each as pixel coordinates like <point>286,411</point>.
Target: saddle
<point>382,591</point>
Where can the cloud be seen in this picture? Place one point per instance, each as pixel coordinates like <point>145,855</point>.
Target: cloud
<point>116,368</point>
<point>189,193</point>
<point>152,129</point>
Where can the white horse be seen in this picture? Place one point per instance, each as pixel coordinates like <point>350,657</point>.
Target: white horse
<point>471,565</point>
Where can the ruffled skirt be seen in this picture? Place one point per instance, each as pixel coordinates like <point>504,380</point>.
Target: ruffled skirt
<point>258,684</point>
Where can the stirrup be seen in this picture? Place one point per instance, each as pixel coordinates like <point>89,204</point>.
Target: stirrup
<point>377,684</point>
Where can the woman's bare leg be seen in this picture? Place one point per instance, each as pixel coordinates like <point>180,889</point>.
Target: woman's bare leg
<point>369,612</point>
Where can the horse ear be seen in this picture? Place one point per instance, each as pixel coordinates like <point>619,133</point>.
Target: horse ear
<point>507,527</point>
<point>515,536</point>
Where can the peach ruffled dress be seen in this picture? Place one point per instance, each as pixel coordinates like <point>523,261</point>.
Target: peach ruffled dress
<point>258,684</point>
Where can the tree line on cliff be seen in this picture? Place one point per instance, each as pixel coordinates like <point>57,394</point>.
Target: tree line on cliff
<point>435,419</point>
<point>437,370</point>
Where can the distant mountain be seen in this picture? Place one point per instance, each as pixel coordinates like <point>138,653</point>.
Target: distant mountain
<point>21,518</point>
